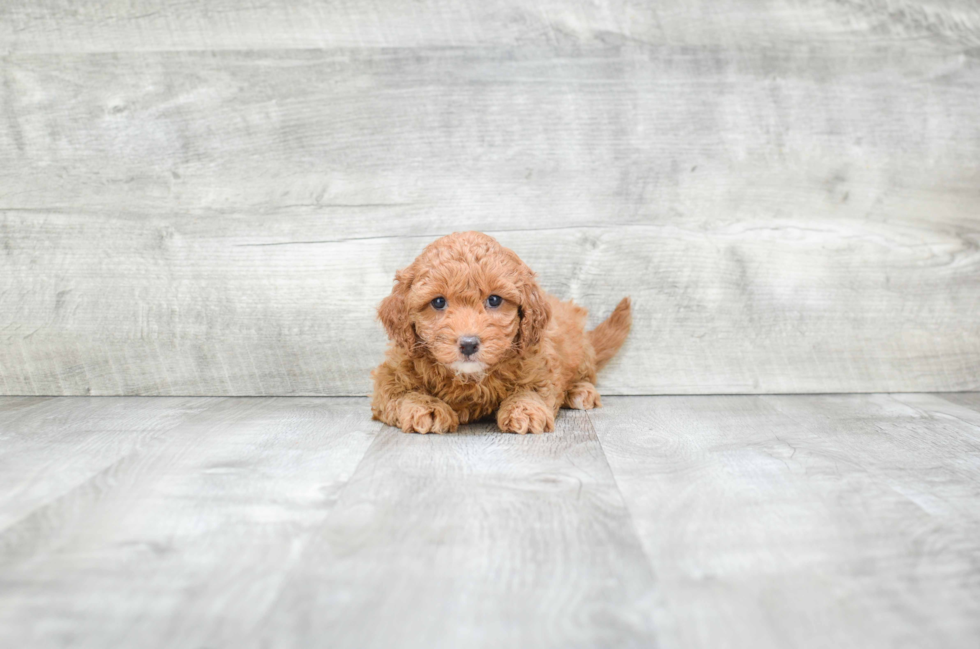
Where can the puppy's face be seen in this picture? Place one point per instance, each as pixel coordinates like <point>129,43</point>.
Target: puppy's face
<point>466,316</point>
<point>466,302</point>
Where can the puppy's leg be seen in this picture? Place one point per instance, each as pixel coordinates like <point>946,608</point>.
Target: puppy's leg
<point>422,413</point>
<point>582,396</point>
<point>527,412</point>
<point>414,412</point>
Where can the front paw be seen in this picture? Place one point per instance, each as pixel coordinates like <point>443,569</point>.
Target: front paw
<point>582,396</point>
<point>429,416</point>
<point>525,415</point>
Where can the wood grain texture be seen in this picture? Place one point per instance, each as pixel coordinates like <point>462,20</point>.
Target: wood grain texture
<point>725,521</point>
<point>142,25</point>
<point>805,521</point>
<point>234,529</point>
<point>184,540</point>
<point>969,400</point>
<point>475,539</point>
<point>787,219</point>
<point>49,447</point>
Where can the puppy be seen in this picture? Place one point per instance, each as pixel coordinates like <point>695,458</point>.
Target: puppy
<point>472,334</point>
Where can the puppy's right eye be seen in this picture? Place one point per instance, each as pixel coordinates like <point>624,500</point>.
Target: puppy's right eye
<point>439,303</point>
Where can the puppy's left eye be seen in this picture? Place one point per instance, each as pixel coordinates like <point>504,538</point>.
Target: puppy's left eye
<point>494,301</point>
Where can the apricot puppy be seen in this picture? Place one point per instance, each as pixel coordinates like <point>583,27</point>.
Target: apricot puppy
<point>472,334</point>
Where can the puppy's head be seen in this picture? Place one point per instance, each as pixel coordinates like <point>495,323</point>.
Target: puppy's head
<point>467,302</point>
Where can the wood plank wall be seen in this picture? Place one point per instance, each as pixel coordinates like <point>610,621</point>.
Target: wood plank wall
<point>210,197</point>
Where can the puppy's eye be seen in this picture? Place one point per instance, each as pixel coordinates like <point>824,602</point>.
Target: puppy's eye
<point>494,301</point>
<point>439,303</point>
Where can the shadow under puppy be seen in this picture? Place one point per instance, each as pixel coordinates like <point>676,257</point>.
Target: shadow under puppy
<point>473,333</point>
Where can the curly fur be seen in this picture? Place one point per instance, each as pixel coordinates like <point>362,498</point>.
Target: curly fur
<point>534,357</point>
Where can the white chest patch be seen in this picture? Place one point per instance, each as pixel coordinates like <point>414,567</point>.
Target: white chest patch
<point>468,367</point>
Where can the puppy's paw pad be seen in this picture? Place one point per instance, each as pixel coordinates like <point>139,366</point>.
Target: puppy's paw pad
<point>427,418</point>
<point>525,416</point>
<point>583,396</point>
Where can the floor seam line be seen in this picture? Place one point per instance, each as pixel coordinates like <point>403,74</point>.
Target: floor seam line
<point>629,516</point>
<point>272,604</point>
<point>114,463</point>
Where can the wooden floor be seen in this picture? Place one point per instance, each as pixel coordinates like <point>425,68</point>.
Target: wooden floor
<point>725,521</point>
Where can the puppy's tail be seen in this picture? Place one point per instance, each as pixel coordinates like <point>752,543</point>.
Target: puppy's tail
<point>610,335</point>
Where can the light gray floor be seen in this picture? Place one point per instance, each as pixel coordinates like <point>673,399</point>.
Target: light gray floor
<point>730,521</point>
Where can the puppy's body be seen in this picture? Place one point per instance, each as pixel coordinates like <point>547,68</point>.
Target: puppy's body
<point>533,355</point>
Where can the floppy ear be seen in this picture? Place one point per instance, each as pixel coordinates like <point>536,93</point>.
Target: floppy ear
<point>534,311</point>
<point>393,311</point>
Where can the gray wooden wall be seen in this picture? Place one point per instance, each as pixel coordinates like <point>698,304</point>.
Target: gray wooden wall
<point>210,197</point>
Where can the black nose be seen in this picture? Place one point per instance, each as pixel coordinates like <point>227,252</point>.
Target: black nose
<point>469,344</point>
